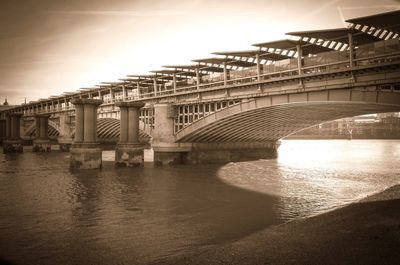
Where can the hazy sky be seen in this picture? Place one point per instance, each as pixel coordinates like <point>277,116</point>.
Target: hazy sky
<point>52,46</point>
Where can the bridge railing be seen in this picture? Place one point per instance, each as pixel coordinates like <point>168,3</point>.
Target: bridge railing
<point>376,53</point>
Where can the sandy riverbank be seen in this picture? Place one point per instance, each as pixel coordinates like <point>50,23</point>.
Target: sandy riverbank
<point>366,232</point>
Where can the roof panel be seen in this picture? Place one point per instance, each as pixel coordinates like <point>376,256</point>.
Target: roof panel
<point>221,61</point>
<point>253,53</point>
<point>214,60</point>
<point>389,21</point>
<point>248,53</point>
<point>274,56</point>
<point>325,34</point>
<point>185,67</point>
<point>212,69</point>
<point>338,35</point>
<point>280,44</point>
<point>291,45</point>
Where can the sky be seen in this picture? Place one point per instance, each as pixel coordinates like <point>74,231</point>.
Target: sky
<point>48,47</point>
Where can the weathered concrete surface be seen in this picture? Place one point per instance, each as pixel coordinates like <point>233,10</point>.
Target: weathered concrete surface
<point>129,155</point>
<point>12,146</point>
<point>85,156</point>
<point>209,153</point>
<point>213,153</point>
<point>129,152</point>
<point>85,151</point>
<point>170,153</point>
<point>168,158</point>
<point>41,145</point>
<point>65,143</point>
<point>226,156</point>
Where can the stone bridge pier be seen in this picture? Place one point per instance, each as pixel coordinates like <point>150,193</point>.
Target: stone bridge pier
<point>13,141</point>
<point>42,141</point>
<point>65,139</point>
<point>129,152</point>
<point>85,150</point>
<point>168,151</point>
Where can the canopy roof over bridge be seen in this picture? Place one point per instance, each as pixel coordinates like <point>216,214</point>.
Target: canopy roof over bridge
<point>222,61</point>
<point>337,35</point>
<point>364,30</point>
<point>253,54</point>
<point>389,21</point>
<point>291,45</point>
<point>191,69</point>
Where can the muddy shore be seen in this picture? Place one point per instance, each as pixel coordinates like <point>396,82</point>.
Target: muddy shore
<point>365,232</point>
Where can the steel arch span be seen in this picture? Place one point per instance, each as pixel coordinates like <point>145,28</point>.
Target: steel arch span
<point>270,118</point>
<point>53,131</point>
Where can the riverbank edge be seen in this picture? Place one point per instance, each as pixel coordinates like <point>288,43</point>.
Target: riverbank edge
<point>364,232</point>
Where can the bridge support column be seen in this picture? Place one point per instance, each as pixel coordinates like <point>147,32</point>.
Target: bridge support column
<point>3,129</point>
<point>42,141</point>
<point>85,150</point>
<point>210,153</point>
<point>129,152</point>
<point>65,139</point>
<point>13,142</point>
<point>166,151</point>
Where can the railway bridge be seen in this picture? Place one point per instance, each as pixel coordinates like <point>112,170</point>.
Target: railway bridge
<point>233,106</point>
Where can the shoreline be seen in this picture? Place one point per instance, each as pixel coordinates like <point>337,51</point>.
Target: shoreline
<point>364,232</point>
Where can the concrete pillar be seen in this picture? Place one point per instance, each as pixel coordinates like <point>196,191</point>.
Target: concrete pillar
<point>129,151</point>
<point>351,49</point>
<point>90,125</point>
<point>65,139</point>
<point>13,143</point>
<point>43,126</point>
<point>112,96</point>
<point>123,136</point>
<point>3,129</point>
<point>85,150</point>
<point>133,127</point>
<point>123,92</point>
<point>138,89</point>
<point>155,86</point>
<point>174,82</point>
<point>258,67</point>
<point>299,58</point>
<point>79,124</point>
<point>42,142</point>
<point>198,78</point>
<point>166,151</point>
<point>15,126</point>
<point>225,74</point>
<point>8,126</point>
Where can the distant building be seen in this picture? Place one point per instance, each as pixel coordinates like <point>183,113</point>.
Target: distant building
<point>3,107</point>
<point>374,126</point>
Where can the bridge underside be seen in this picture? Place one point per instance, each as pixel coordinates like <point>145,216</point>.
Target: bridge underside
<point>272,123</point>
<point>51,132</point>
<point>108,131</point>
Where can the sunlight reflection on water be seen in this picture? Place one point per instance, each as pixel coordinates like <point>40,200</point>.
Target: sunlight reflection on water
<point>51,215</point>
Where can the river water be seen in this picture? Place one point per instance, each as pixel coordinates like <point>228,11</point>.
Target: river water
<point>50,215</point>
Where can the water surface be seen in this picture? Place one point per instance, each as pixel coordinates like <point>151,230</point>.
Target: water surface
<point>51,215</point>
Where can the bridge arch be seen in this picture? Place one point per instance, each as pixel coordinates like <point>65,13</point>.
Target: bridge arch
<point>108,130</point>
<point>270,118</point>
<point>53,130</point>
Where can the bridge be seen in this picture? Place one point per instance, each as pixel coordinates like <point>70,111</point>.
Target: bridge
<point>233,106</point>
